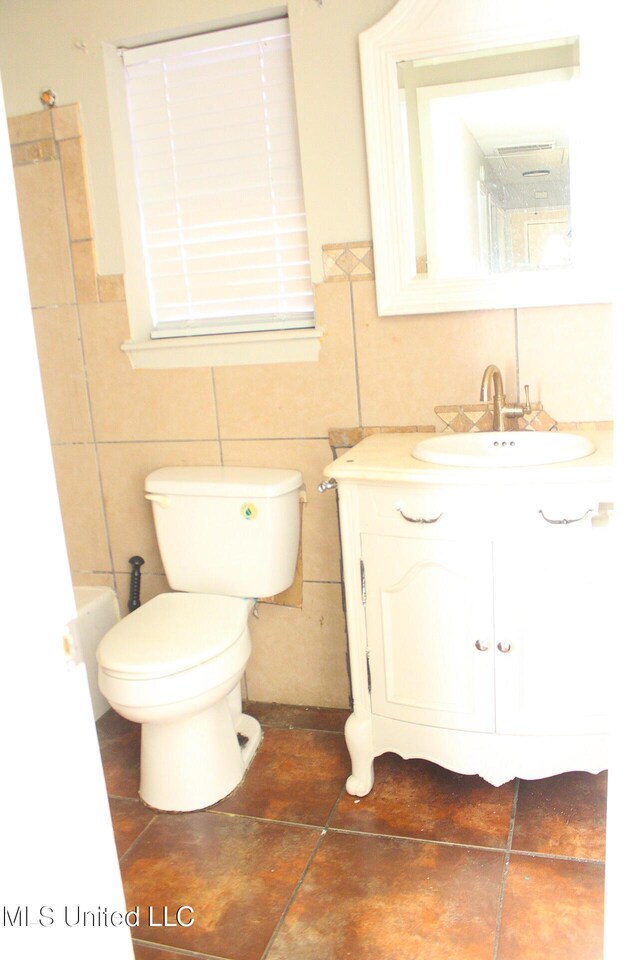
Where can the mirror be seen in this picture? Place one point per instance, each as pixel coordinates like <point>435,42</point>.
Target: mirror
<point>480,174</point>
<point>486,140</point>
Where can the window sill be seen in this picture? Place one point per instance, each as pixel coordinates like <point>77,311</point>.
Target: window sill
<point>225,350</point>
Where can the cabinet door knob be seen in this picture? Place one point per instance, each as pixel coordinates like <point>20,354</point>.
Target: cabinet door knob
<point>481,645</point>
<point>504,646</point>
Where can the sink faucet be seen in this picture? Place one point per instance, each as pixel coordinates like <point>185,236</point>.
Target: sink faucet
<point>501,409</point>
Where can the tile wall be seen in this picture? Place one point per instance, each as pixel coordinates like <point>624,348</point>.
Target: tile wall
<point>110,425</point>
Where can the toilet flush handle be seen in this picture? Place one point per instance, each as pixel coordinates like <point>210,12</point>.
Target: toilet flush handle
<point>157,498</point>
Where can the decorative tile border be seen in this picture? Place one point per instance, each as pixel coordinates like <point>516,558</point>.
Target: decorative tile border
<point>348,261</point>
<point>478,417</point>
<point>56,135</point>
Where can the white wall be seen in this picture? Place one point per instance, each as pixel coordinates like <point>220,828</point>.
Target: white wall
<point>57,44</point>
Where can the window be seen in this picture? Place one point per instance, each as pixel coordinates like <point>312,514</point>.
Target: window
<point>215,239</point>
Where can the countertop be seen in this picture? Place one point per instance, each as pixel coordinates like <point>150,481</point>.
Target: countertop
<point>386,457</point>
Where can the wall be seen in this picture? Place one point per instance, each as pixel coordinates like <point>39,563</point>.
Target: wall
<point>57,44</point>
<point>111,425</point>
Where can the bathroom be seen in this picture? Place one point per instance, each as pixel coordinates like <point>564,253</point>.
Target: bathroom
<point>111,425</point>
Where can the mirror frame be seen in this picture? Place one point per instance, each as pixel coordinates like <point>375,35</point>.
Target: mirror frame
<point>418,29</point>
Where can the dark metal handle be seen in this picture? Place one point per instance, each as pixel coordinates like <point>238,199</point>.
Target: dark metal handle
<point>134,583</point>
<point>564,521</point>
<point>417,519</point>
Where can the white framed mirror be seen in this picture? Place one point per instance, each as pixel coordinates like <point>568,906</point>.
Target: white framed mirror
<point>483,157</point>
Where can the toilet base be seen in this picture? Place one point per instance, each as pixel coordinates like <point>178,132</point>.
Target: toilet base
<point>191,763</point>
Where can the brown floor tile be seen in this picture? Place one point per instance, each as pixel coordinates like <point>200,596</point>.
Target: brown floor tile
<point>236,874</point>
<point>562,815</point>
<point>552,910</point>
<point>119,741</point>
<point>129,819</point>
<point>415,798</point>
<point>303,718</point>
<point>373,898</point>
<point>296,775</point>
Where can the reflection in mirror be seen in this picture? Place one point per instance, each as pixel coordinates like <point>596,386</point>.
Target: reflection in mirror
<point>486,141</point>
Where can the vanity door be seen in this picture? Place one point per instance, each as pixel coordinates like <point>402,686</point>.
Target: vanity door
<point>429,616</point>
<point>553,626</point>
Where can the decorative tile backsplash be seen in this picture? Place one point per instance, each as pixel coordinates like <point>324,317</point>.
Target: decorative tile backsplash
<point>348,261</point>
<point>477,417</point>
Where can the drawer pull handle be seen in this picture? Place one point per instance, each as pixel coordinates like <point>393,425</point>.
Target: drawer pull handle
<point>564,520</point>
<point>417,519</point>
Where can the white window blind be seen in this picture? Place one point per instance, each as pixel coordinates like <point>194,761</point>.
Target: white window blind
<point>217,171</point>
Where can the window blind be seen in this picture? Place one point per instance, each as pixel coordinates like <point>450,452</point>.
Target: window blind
<point>217,170</point>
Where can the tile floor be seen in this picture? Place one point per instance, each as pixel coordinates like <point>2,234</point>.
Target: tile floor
<point>431,865</point>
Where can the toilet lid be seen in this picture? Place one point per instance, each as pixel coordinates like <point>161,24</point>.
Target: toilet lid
<point>171,633</point>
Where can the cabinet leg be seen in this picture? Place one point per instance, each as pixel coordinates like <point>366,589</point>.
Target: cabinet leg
<point>358,734</point>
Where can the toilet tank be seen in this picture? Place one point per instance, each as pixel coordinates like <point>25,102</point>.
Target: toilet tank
<point>227,530</point>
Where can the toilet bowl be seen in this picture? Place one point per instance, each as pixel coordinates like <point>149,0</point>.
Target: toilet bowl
<point>174,666</point>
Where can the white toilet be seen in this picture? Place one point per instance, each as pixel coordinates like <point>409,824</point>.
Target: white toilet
<point>227,536</point>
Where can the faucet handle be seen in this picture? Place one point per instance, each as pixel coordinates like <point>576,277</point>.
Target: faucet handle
<point>527,404</point>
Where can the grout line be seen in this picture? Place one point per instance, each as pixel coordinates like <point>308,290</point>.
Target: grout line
<point>126,853</point>
<point>85,371</point>
<point>219,439</point>
<point>505,869</point>
<point>294,893</point>
<point>178,950</point>
<point>423,840</point>
<point>557,856</point>
<point>253,816</point>
<point>360,833</point>
<point>217,415</point>
<point>334,808</point>
<point>280,726</point>
<point>355,353</point>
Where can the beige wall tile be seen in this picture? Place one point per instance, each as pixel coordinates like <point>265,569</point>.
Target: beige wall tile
<point>83,256</point>
<point>62,370</point>
<point>299,656</point>
<point>296,399</point>
<point>111,287</point>
<point>30,126</point>
<point>82,510</point>
<point>123,468</point>
<point>566,358</point>
<point>82,579</point>
<point>133,404</point>
<point>320,539</point>
<point>409,365</point>
<point>44,234</point>
<point>66,121</point>
<point>74,175</point>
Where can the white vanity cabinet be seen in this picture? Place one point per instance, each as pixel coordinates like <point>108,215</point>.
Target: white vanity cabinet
<point>477,612</point>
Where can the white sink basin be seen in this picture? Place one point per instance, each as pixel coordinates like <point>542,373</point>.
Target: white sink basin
<point>509,449</point>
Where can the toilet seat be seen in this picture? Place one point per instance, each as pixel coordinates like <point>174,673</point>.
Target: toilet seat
<point>172,633</point>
